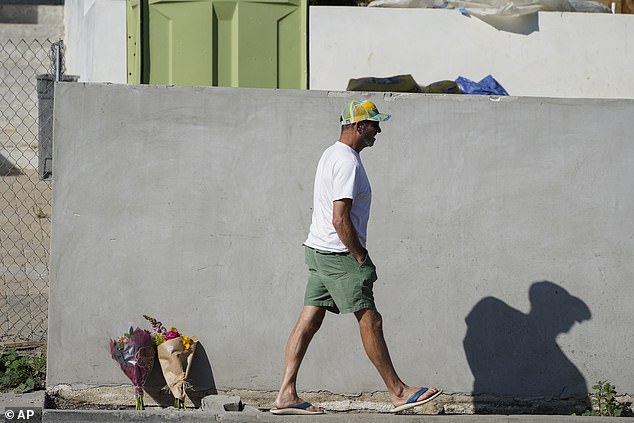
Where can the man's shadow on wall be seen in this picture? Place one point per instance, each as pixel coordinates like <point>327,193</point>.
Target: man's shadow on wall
<point>516,356</point>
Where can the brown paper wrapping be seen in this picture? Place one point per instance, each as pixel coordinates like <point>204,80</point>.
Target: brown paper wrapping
<point>175,363</point>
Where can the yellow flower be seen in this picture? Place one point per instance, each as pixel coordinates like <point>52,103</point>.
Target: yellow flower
<point>187,341</point>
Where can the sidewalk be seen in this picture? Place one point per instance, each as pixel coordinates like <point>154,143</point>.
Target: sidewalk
<point>170,415</point>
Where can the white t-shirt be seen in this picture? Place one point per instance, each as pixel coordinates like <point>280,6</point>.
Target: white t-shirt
<point>340,174</point>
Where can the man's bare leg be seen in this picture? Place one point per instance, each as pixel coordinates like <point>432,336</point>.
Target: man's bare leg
<point>371,328</point>
<point>307,325</point>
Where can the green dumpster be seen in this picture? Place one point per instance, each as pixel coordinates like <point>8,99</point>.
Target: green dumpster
<point>230,43</point>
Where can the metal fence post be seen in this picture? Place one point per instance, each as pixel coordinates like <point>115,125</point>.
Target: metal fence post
<point>58,48</point>
<point>46,96</point>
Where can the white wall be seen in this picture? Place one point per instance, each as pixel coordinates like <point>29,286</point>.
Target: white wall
<point>96,40</point>
<point>549,54</point>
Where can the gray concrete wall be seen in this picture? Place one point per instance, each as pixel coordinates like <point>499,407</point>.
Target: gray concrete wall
<point>191,204</point>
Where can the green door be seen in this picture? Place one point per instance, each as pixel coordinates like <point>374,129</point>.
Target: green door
<point>233,43</point>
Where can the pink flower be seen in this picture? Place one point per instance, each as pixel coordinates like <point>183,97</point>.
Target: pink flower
<point>171,335</point>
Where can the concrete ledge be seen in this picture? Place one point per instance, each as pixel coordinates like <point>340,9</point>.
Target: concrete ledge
<point>194,416</point>
<point>251,414</point>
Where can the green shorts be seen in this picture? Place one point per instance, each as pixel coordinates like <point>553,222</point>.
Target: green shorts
<point>338,282</point>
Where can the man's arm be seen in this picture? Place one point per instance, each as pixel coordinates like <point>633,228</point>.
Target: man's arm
<point>345,230</point>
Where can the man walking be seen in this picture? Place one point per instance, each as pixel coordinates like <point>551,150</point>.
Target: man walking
<point>341,273</point>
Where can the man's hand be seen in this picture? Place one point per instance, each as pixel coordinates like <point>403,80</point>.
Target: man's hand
<point>345,230</point>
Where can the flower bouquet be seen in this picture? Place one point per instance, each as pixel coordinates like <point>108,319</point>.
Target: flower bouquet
<point>175,352</point>
<point>135,355</point>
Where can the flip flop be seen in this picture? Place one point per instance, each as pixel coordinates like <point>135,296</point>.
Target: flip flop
<point>297,409</point>
<point>411,402</point>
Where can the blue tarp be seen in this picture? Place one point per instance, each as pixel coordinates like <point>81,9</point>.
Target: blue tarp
<point>487,86</point>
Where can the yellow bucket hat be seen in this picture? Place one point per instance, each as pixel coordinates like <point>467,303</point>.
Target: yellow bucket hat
<point>357,111</point>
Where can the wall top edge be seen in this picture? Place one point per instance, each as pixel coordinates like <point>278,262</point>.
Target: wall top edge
<point>386,96</point>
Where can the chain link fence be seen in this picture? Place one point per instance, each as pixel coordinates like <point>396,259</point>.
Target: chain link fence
<point>25,199</point>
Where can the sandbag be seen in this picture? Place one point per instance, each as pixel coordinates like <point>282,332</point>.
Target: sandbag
<point>394,84</point>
